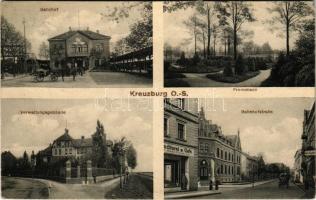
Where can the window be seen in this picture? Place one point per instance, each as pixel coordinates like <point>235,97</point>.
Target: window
<point>166,126</point>
<point>222,169</point>
<point>201,148</point>
<point>70,151</point>
<point>59,151</point>
<point>55,151</point>
<point>180,103</point>
<point>206,148</point>
<point>217,153</point>
<point>99,47</point>
<point>221,154</point>
<point>181,133</point>
<point>225,155</point>
<point>66,151</point>
<point>233,158</point>
<point>229,156</point>
<point>225,169</point>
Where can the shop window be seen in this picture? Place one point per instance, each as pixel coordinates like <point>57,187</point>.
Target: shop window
<point>181,131</point>
<point>166,126</point>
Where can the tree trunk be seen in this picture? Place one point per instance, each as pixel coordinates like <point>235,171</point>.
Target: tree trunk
<point>208,33</point>
<point>287,38</point>
<point>235,42</point>
<point>204,52</point>
<point>225,52</point>
<point>214,45</point>
<point>228,46</point>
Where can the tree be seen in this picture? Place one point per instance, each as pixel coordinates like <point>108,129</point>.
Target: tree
<point>234,14</point>
<point>44,51</point>
<point>140,35</point>
<point>289,14</point>
<point>119,152</point>
<point>142,31</point>
<point>131,156</point>
<point>192,25</point>
<point>207,9</point>
<point>99,148</point>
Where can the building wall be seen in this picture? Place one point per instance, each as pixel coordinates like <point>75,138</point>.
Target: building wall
<point>68,51</point>
<point>190,141</point>
<point>230,163</point>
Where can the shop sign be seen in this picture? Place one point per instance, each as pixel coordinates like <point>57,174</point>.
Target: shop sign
<point>178,150</point>
<point>310,153</point>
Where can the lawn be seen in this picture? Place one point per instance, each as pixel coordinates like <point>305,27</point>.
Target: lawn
<point>232,79</point>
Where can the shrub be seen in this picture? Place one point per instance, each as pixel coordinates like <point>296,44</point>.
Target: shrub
<point>166,66</point>
<point>251,64</point>
<point>306,76</point>
<point>228,71</point>
<point>196,59</point>
<point>240,65</point>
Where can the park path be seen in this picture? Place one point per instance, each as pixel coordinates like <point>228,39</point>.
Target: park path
<point>200,80</point>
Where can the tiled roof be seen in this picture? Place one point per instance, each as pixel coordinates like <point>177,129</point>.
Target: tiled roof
<point>89,34</point>
<point>47,151</point>
<point>82,142</point>
<point>64,137</point>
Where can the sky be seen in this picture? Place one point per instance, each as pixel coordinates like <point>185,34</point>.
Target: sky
<point>175,32</point>
<point>41,26</point>
<point>132,119</point>
<point>276,135</point>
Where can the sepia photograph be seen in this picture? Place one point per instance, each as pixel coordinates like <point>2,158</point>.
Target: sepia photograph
<point>77,149</point>
<point>239,44</point>
<point>76,44</point>
<point>239,148</point>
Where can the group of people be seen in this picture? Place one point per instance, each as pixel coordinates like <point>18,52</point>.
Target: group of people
<point>73,68</point>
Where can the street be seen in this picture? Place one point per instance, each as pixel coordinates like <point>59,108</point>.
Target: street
<point>200,80</point>
<point>27,188</point>
<point>23,189</point>
<point>269,190</point>
<point>88,80</point>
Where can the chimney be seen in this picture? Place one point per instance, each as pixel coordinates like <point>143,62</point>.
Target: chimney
<point>98,31</point>
<point>82,137</point>
<point>69,28</point>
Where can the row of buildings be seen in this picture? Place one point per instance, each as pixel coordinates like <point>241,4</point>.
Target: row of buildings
<point>304,165</point>
<point>197,149</point>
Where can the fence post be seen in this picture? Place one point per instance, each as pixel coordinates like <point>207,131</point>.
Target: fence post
<point>68,171</point>
<point>89,172</point>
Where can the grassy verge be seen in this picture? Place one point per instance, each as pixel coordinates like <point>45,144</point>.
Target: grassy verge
<point>134,189</point>
<point>232,79</point>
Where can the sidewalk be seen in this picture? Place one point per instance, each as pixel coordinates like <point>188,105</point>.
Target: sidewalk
<point>309,194</point>
<point>11,77</point>
<point>189,194</point>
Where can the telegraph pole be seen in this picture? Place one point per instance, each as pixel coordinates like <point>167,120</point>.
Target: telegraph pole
<point>25,53</point>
